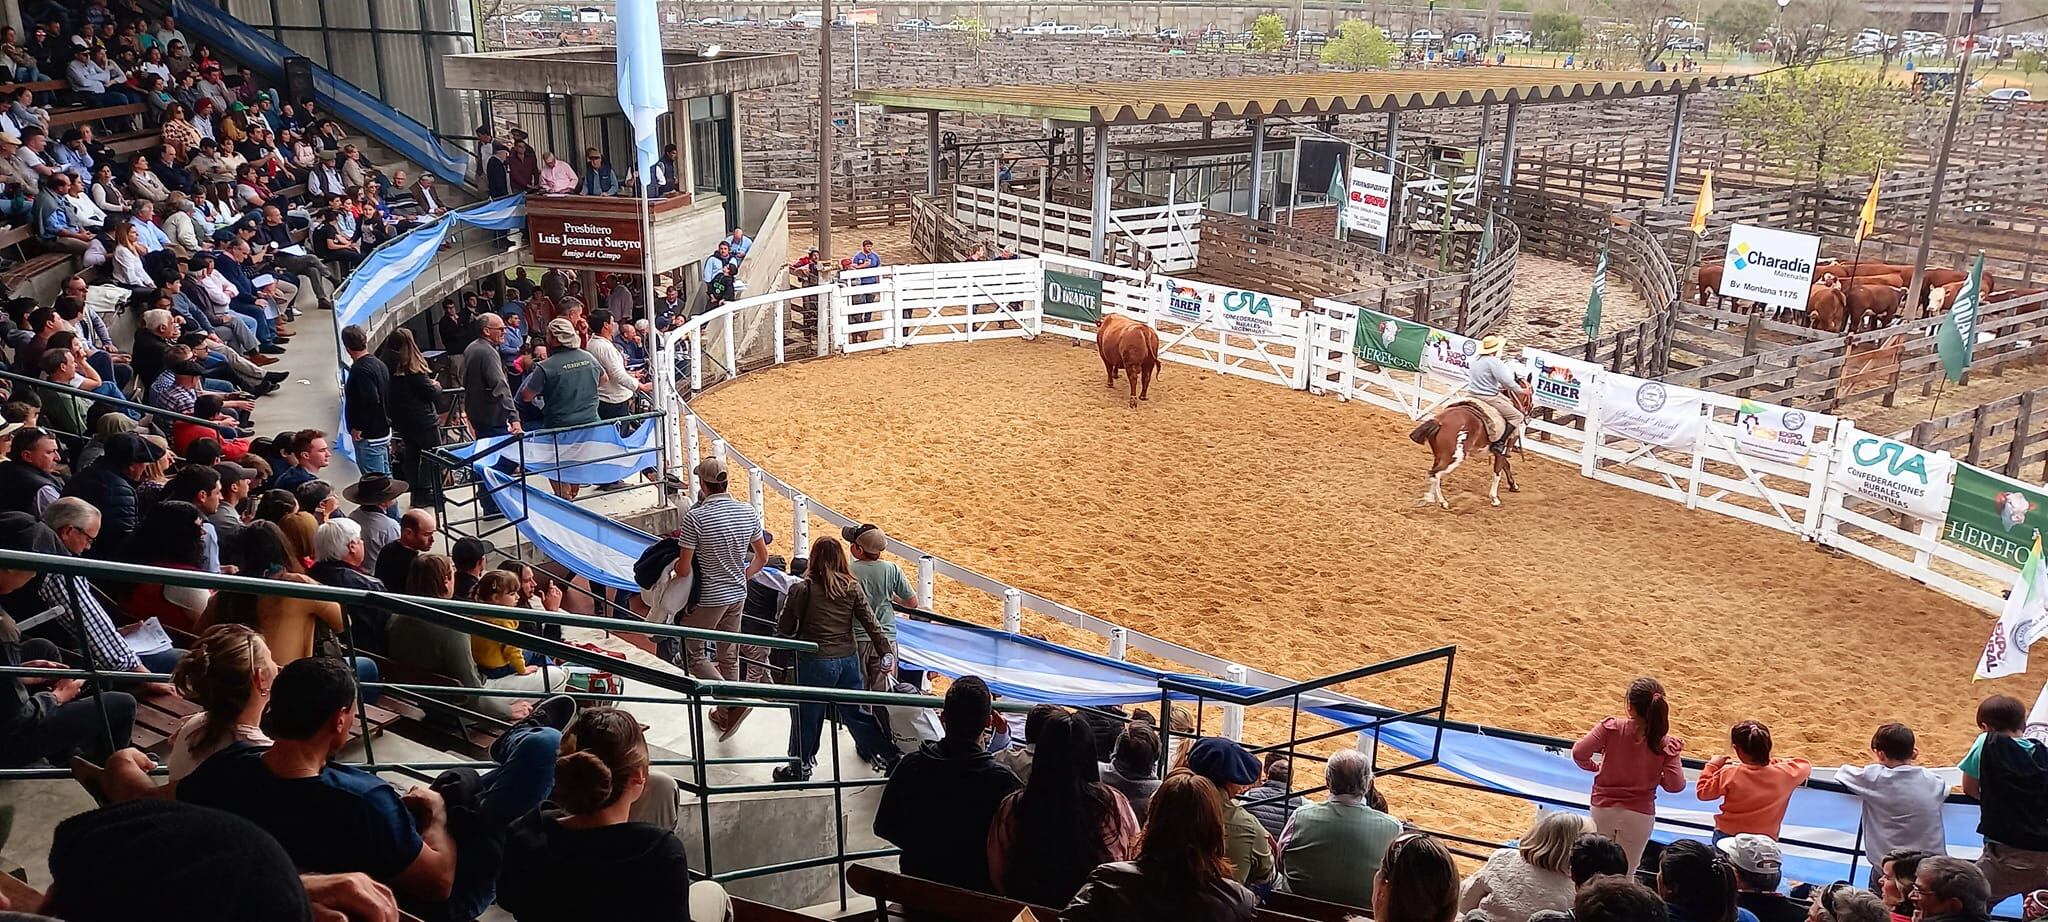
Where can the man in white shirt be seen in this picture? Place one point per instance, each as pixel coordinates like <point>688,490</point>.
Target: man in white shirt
<point>615,384</point>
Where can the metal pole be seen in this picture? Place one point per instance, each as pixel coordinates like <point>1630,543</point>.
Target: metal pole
<point>1507,151</point>
<point>1393,188</point>
<point>1294,183</point>
<point>931,153</point>
<point>1671,162</point>
<point>1099,222</point>
<point>1258,163</point>
<point>1479,156</point>
<point>1948,140</point>
<point>856,83</point>
<point>824,217</point>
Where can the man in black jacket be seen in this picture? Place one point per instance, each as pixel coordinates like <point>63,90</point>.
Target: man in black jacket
<point>369,421</point>
<point>938,805</point>
<point>498,181</point>
<point>109,485</point>
<point>29,481</point>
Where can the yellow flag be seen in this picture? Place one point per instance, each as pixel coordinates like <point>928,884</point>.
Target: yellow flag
<point>1705,206</point>
<point>1867,222</point>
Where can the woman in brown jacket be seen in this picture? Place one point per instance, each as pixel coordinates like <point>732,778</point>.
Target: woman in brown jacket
<point>822,608</point>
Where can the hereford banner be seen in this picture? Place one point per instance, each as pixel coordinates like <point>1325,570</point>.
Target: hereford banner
<point>1389,342</point>
<point>1651,412</point>
<point>1560,383</point>
<point>1901,476</point>
<point>1994,516</point>
<point>1774,433</point>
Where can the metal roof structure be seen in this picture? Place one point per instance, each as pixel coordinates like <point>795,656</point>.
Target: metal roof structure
<point>1287,95</point>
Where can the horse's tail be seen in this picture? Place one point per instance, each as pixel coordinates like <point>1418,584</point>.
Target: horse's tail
<point>1425,432</point>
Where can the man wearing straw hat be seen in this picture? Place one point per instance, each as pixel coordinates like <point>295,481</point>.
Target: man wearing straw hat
<point>1488,380</point>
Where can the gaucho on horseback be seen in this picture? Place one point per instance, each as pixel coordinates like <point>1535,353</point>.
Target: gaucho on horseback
<point>1489,380</point>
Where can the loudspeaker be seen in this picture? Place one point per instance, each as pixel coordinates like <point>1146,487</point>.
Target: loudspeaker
<point>298,78</point>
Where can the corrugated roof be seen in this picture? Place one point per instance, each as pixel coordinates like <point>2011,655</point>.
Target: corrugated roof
<point>1193,100</point>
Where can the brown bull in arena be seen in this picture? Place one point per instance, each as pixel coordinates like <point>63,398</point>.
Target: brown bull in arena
<point>1131,347</point>
<point>1826,307</point>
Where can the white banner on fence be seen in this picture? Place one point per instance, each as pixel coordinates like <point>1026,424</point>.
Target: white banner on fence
<point>1898,475</point>
<point>1774,433</point>
<point>1650,411</point>
<point>1448,355</point>
<point>1769,266</point>
<point>1229,310</point>
<point>1561,383</point>
<point>1368,200</point>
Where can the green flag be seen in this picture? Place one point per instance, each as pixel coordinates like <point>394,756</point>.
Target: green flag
<point>1957,337</point>
<point>1389,342</point>
<point>1592,323</point>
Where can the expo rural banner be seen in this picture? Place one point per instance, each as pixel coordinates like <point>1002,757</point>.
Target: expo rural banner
<point>1774,433</point>
<point>1651,412</point>
<point>1769,266</point>
<point>1448,355</point>
<point>1369,196</point>
<point>1560,383</point>
<point>1993,516</point>
<point>1230,310</point>
<point>1897,475</point>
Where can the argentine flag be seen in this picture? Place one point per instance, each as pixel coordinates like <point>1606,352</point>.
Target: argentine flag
<point>2022,621</point>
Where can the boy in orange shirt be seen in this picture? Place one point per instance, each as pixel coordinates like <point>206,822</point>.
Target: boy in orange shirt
<point>1753,788</point>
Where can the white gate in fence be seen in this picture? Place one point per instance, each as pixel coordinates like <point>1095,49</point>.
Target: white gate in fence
<point>1172,233</point>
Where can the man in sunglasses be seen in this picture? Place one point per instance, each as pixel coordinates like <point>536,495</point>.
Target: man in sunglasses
<point>598,178</point>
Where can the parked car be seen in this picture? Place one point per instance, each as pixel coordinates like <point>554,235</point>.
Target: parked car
<point>1425,36</point>
<point>1682,43</point>
<point>1513,38</point>
<point>1168,34</point>
<point>2008,95</point>
<point>1466,39</point>
<point>913,25</point>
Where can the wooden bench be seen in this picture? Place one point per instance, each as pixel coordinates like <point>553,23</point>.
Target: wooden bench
<point>19,275</point>
<point>750,911</point>
<point>936,899</point>
<point>1318,910</point>
<point>128,144</point>
<point>80,114</point>
<point>36,86</point>
<point>157,717</point>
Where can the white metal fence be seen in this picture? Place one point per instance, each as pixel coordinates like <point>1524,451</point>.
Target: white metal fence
<point>1172,233</point>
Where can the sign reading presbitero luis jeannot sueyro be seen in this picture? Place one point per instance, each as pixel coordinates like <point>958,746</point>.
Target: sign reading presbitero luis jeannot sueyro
<point>1073,297</point>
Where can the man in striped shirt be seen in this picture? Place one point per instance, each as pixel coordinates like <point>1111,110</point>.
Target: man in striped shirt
<point>721,542</point>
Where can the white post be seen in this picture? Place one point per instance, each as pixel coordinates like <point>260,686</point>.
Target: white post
<point>1099,218</point>
<point>780,314</point>
<point>800,528</point>
<point>1233,714</point>
<point>828,304</point>
<point>691,451</point>
<point>1258,165</point>
<point>756,493</point>
<point>718,449</point>
<point>927,569</point>
<point>1013,611</point>
<point>1117,643</point>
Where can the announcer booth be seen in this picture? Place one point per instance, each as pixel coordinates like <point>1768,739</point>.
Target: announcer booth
<point>565,101</point>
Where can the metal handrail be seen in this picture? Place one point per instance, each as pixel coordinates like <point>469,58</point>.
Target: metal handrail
<point>121,402</point>
<point>131,573</point>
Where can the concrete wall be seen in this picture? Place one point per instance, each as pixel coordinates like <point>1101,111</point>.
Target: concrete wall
<point>757,830</point>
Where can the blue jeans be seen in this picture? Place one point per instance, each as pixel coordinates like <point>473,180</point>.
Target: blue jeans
<point>161,662</point>
<point>524,777</point>
<point>373,456</point>
<point>869,740</point>
<point>366,671</point>
<point>266,330</point>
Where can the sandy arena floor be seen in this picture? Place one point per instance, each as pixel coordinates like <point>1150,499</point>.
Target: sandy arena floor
<point>1279,529</point>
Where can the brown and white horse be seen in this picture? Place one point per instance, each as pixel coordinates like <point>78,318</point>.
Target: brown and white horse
<point>1456,431</point>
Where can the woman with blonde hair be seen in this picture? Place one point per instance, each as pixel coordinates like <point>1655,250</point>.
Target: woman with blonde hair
<point>299,528</point>
<point>227,673</point>
<point>1528,878</point>
<point>823,608</point>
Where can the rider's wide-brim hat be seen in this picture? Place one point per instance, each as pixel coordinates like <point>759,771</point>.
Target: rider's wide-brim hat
<point>1492,345</point>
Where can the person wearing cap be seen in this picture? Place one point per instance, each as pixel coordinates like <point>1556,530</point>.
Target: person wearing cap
<point>374,496</point>
<point>1234,771</point>
<point>884,585</point>
<point>568,386</point>
<point>89,79</point>
<point>110,486</point>
<point>1759,868</point>
<point>722,544</point>
<point>49,719</point>
<point>236,480</point>
<point>29,481</point>
<point>20,183</point>
<point>1488,380</point>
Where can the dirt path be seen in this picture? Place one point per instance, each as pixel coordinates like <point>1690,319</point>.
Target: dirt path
<point>1549,306</point>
